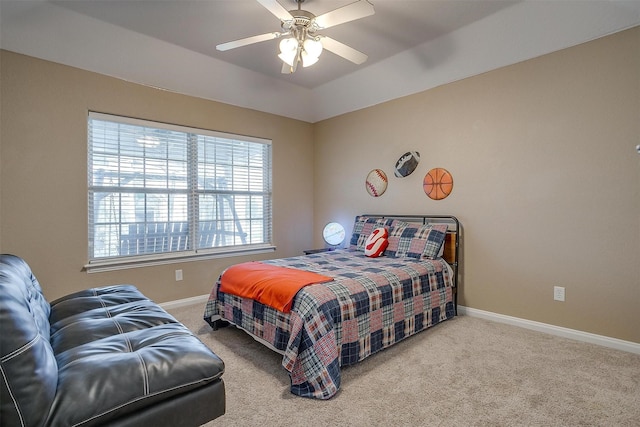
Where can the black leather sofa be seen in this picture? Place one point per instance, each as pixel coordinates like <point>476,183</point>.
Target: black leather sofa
<point>105,356</point>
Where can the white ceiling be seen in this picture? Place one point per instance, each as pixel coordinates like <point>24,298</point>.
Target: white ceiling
<point>413,45</point>
<point>201,25</point>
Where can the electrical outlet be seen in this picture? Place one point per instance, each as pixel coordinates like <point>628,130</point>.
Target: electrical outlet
<point>558,293</point>
<point>178,275</point>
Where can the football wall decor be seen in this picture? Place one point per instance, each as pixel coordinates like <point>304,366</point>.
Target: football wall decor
<point>406,164</point>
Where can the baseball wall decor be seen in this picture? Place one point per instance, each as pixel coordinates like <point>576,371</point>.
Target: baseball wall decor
<point>438,183</point>
<point>407,163</point>
<point>376,182</point>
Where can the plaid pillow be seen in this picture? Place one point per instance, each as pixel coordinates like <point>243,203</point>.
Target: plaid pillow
<point>416,240</point>
<point>364,226</point>
<point>396,233</point>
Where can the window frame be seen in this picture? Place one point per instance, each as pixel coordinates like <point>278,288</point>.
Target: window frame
<point>194,191</point>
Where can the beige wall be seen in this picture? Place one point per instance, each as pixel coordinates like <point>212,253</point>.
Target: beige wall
<point>44,174</point>
<point>547,180</point>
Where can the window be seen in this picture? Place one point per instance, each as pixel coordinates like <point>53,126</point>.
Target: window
<point>159,191</point>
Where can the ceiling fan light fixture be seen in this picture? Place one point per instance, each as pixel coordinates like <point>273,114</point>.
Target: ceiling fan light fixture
<point>288,58</point>
<point>313,47</point>
<point>288,50</point>
<point>290,44</point>
<point>311,50</point>
<point>300,42</point>
<point>308,60</point>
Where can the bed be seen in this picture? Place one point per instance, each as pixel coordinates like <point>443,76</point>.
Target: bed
<point>363,305</point>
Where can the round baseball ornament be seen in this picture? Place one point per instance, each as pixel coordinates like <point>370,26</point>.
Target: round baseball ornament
<point>376,182</point>
<point>406,164</point>
<point>438,183</point>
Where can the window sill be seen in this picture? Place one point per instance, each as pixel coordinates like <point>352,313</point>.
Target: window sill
<point>113,264</point>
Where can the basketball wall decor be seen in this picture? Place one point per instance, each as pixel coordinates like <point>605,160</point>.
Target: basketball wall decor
<point>376,182</point>
<point>407,163</point>
<point>438,183</point>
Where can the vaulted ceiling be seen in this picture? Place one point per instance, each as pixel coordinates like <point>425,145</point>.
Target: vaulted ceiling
<point>412,45</point>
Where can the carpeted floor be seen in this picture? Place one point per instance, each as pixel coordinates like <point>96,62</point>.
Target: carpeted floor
<point>463,372</point>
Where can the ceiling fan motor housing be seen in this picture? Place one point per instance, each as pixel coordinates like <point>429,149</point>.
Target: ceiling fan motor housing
<point>302,19</point>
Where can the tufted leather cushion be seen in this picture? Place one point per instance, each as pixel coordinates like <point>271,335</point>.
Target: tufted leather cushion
<point>106,354</point>
<point>29,368</point>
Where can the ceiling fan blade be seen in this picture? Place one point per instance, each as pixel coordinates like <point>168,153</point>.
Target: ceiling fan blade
<point>288,69</point>
<point>343,50</point>
<point>249,40</point>
<point>276,8</point>
<point>350,12</point>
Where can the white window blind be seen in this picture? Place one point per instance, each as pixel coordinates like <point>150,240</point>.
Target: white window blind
<point>157,189</point>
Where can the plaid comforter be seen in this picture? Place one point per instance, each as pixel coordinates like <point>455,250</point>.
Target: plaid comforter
<point>371,304</point>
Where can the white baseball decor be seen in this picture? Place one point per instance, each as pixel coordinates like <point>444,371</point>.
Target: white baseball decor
<point>376,182</point>
<point>376,243</point>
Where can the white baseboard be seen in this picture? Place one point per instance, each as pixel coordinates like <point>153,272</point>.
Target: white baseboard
<point>618,344</point>
<point>200,299</point>
<point>602,340</point>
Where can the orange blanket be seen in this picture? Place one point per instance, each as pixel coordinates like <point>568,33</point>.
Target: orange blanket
<point>269,284</point>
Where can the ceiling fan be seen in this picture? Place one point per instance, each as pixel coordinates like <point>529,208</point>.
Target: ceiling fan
<point>301,42</point>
